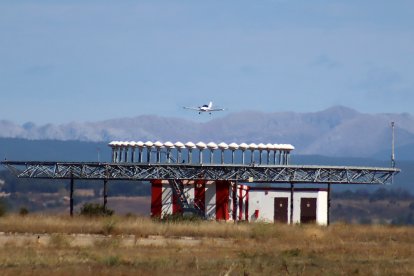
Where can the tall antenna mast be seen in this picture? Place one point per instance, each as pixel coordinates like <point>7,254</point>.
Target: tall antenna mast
<point>392,145</point>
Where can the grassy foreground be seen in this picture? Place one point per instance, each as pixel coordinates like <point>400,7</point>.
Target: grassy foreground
<point>220,248</point>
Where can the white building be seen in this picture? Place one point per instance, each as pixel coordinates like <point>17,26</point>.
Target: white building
<point>224,200</point>
<point>274,205</point>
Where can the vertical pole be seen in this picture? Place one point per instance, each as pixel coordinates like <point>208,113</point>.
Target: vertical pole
<point>392,146</point>
<point>132,155</point>
<point>292,190</point>
<point>105,194</point>
<point>148,154</point>
<point>120,154</point>
<point>329,203</point>
<point>234,207</point>
<point>126,155</point>
<point>200,156</point>
<point>178,155</point>
<point>71,196</point>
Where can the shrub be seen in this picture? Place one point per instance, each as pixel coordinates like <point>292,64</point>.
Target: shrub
<point>112,260</point>
<point>23,211</point>
<point>179,217</point>
<point>109,227</point>
<point>95,209</point>
<point>3,208</point>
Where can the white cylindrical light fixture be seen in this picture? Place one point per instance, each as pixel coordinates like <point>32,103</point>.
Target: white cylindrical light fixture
<point>113,147</point>
<point>269,148</point>
<point>201,147</point>
<point>243,147</point>
<point>158,145</point>
<point>140,146</point>
<point>148,146</point>
<point>252,148</point>
<point>168,145</point>
<point>275,150</point>
<point>125,146</point>
<point>118,151</point>
<point>190,146</point>
<point>289,148</point>
<point>179,146</point>
<point>233,147</point>
<point>132,145</point>
<point>222,146</point>
<point>212,146</point>
<point>261,148</point>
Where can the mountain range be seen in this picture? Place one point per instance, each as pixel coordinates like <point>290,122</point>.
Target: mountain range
<point>337,131</point>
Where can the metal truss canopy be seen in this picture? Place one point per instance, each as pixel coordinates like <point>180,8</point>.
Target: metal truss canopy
<point>242,173</point>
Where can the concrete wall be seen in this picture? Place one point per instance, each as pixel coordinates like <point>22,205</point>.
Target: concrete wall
<point>167,203</point>
<point>321,205</point>
<point>262,200</point>
<point>211,201</point>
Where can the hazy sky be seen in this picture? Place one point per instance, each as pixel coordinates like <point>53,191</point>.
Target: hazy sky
<point>63,61</point>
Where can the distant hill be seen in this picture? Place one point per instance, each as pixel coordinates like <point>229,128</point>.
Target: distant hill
<point>337,131</point>
<point>53,150</point>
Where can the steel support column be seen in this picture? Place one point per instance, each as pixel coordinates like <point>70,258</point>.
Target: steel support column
<point>234,195</point>
<point>329,204</point>
<point>105,194</point>
<point>292,190</point>
<point>72,182</point>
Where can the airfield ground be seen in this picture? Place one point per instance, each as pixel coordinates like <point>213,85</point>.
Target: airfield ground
<point>36,244</point>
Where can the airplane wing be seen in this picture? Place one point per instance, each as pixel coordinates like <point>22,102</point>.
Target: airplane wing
<point>191,108</point>
<point>217,109</point>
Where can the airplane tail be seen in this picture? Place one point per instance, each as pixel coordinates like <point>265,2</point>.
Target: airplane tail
<point>210,105</point>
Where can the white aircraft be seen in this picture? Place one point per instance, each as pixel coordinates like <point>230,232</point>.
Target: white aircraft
<point>204,108</point>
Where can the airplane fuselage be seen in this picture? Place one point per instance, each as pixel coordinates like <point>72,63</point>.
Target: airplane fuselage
<point>205,108</point>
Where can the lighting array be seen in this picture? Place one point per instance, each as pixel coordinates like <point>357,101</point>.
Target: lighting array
<point>126,151</point>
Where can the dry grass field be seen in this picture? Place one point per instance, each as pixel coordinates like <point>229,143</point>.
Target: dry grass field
<point>36,244</point>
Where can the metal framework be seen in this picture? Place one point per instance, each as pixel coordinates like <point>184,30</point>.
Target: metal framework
<point>243,173</point>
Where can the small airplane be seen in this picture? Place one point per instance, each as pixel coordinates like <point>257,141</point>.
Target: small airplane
<point>205,108</point>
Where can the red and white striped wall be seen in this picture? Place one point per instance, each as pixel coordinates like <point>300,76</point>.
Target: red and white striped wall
<point>220,200</point>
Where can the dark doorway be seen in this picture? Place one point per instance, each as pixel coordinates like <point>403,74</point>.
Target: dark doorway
<point>307,210</point>
<point>281,210</point>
